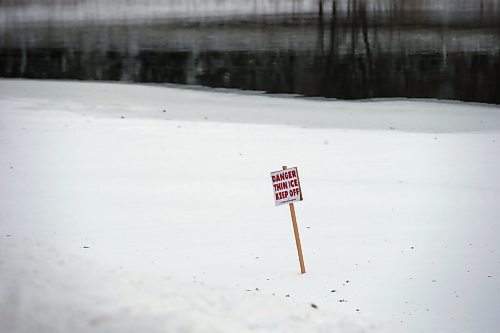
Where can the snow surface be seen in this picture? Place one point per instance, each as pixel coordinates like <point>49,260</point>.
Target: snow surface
<point>139,207</point>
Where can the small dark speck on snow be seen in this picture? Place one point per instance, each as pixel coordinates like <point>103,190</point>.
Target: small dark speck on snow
<point>314,306</point>
<point>333,290</point>
<point>342,301</point>
<point>287,295</point>
<point>85,247</point>
<point>8,235</point>
<point>164,110</point>
<point>122,117</point>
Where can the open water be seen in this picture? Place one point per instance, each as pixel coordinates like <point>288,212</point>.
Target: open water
<point>355,52</point>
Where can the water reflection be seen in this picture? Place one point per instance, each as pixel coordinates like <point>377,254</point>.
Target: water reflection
<point>344,50</point>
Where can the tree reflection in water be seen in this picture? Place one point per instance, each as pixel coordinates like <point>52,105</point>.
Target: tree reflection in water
<point>345,50</point>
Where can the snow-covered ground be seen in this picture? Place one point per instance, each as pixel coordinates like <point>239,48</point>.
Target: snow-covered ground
<point>139,207</point>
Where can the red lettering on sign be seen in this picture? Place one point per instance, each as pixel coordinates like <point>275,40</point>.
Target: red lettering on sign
<point>286,186</point>
<point>281,195</point>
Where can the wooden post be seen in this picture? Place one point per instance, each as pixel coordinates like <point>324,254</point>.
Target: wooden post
<point>297,237</point>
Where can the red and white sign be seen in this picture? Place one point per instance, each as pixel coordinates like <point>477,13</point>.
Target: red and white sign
<point>286,186</point>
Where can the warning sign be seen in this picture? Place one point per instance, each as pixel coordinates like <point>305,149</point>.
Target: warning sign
<point>286,186</point>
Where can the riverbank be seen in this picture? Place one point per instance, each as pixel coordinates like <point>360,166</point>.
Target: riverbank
<point>124,207</point>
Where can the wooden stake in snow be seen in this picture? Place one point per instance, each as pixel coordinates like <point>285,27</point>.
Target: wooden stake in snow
<point>287,190</point>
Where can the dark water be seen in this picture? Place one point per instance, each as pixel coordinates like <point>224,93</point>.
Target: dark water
<point>347,55</point>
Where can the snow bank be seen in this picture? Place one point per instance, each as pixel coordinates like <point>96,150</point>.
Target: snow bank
<point>140,194</point>
<point>42,290</point>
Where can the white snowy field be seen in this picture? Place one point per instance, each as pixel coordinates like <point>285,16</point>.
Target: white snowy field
<point>138,207</point>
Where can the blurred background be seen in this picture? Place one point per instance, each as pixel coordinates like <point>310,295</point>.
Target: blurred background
<point>347,49</point>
